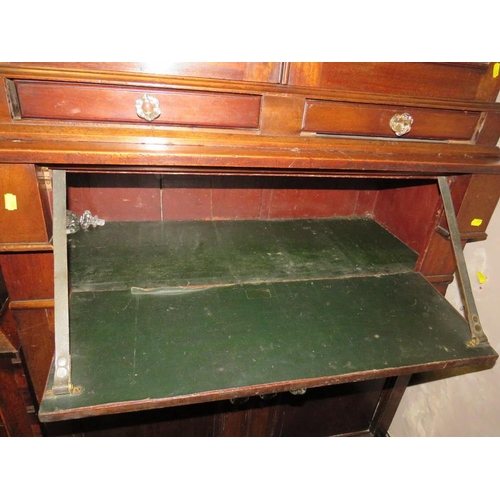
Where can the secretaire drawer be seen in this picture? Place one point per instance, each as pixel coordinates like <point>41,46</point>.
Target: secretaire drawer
<point>388,121</point>
<point>107,103</point>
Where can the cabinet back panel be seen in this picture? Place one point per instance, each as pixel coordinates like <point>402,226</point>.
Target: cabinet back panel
<point>152,197</point>
<point>404,207</point>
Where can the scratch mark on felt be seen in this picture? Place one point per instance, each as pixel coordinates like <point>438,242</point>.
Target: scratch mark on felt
<point>174,290</point>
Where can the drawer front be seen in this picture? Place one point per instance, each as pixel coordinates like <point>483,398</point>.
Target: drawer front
<point>101,103</point>
<point>431,80</point>
<point>375,121</point>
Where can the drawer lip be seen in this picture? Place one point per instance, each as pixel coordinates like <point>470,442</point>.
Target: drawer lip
<point>372,120</point>
<point>85,102</point>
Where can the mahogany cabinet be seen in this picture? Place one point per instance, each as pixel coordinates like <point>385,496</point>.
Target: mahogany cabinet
<point>17,410</point>
<point>277,242</point>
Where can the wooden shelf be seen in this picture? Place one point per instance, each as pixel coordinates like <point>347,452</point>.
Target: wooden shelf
<point>169,313</point>
<point>122,255</point>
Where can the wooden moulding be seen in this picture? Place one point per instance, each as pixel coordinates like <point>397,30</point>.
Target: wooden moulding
<point>26,247</point>
<point>336,159</point>
<point>263,144</point>
<point>447,97</point>
<point>32,304</point>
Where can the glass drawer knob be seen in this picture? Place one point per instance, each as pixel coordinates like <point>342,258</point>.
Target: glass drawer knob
<point>401,124</point>
<point>148,107</point>
<point>75,223</point>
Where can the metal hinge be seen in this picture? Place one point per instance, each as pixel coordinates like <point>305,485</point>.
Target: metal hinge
<point>44,178</point>
<point>62,356</point>
<point>478,336</point>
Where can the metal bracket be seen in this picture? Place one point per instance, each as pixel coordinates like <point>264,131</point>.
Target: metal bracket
<point>477,334</point>
<point>62,357</point>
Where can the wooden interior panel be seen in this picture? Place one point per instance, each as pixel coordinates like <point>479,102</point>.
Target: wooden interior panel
<point>136,197</point>
<point>233,199</point>
<point>407,210</point>
<point>187,198</point>
<point>116,197</point>
<point>317,198</point>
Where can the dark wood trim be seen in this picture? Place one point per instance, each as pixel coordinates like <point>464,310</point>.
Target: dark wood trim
<point>347,159</point>
<point>31,72</point>
<point>388,405</point>
<point>26,247</point>
<point>32,304</point>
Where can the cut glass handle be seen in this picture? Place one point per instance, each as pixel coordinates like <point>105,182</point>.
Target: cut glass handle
<point>401,123</point>
<point>148,107</point>
<point>75,223</point>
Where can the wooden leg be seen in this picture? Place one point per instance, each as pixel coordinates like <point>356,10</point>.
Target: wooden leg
<point>17,412</point>
<point>388,404</point>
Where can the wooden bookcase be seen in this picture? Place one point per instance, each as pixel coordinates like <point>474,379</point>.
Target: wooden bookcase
<point>275,252</point>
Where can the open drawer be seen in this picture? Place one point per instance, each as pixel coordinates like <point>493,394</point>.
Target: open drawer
<point>170,313</point>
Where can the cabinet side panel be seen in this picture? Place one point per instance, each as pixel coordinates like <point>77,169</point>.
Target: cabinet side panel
<point>479,204</point>
<point>407,211</point>
<point>13,411</point>
<point>29,276</point>
<point>22,215</point>
<point>36,331</point>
